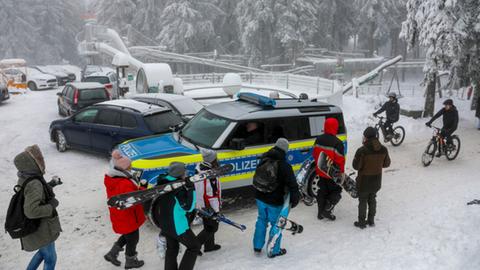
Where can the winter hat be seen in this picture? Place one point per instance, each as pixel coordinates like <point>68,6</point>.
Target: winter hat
<point>283,144</point>
<point>36,154</point>
<point>177,169</point>
<point>330,126</point>
<point>370,133</point>
<point>120,161</point>
<point>209,155</point>
<point>448,102</point>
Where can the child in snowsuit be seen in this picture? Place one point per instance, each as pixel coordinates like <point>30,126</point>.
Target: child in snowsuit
<point>208,196</point>
<point>125,222</point>
<point>169,213</point>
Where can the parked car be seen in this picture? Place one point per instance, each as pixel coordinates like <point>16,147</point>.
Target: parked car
<point>100,127</point>
<point>76,96</point>
<point>34,78</point>
<point>62,77</point>
<point>184,106</point>
<point>68,69</point>
<point>4,95</point>
<point>108,79</point>
<point>90,69</point>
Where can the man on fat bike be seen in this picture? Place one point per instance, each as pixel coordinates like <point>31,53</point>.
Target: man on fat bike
<point>392,110</point>
<point>450,122</point>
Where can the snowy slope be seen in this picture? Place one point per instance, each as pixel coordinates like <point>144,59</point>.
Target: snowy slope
<point>423,222</point>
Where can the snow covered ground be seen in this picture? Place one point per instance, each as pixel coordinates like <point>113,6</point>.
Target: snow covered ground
<point>422,220</point>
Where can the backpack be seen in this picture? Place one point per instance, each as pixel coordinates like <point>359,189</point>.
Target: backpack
<point>265,178</point>
<point>16,223</point>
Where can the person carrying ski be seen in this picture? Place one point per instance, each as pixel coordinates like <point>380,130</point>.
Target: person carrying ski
<point>125,222</point>
<point>329,193</point>
<point>369,161</point>
<point>169,213</point>
<point>39,204</point>
<point>208,197</point>
<point>450,121</point>
<point>273,178</point>
<point>392,111</point>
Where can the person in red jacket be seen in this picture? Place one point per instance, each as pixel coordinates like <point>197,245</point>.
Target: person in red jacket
<point>329,193</point>
<point>125,222</point>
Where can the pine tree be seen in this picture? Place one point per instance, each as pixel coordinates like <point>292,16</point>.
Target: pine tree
<point>147,18</point>
<point>115,14</point>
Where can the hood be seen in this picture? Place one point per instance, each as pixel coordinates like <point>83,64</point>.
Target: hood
<point>115,172</point>
<point>331,126</point>
<point>41,76</point>
<point>275,153</point>
<point>160,146</point>
<point>373,144</point>
<point>26,166</point>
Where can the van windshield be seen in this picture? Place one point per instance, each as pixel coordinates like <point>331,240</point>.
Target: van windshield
<point>205,128</point>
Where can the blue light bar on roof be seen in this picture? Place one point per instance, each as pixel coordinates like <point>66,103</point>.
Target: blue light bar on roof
<point>257,99</point>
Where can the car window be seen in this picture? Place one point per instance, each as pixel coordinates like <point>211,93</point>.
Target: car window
<point>205,128</point>
<point>161,122</point>
<point>108,117</point>
<point>64,92</point>
<point>187,106</point>
<point>91,94</point>
<point>87,116</point>
<point>99,79</point>
<point>70,92</point>
<point>128,121</point>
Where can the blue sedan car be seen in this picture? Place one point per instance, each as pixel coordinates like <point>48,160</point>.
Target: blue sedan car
<point>100,127</point>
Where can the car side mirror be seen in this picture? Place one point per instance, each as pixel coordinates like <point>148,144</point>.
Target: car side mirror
<point>59,94</point>
<point>237,144</point>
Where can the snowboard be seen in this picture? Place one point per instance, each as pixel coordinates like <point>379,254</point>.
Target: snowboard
<point>220,218</point>
<point>127,200</point>
<point>327,166</point>
<point>474,202</point>
<point>283,223</point>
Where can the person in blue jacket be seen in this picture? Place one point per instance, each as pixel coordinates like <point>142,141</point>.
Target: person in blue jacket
<point>169,212</point>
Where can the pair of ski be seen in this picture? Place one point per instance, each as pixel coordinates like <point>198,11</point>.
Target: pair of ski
<point>127,200</point>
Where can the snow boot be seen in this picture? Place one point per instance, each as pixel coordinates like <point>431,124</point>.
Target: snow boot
<point>112,255</point>
<point>360,224</point>
<point>133,262</point>
<point>329,215</point>
<point>257,251</point>
<point>371,223</point>
<point>281,253</point>
<point>212,248</point>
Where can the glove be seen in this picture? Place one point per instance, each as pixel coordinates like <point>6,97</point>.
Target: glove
<point>53,202</point>
<point>189,185</point>
<point>294,199</point>
<point>55,181</point>
<point>428,124</point>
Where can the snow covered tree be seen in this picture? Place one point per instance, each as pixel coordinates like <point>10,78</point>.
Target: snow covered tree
<point>187,25</point>
<point>116,14</point>
<point>147,18</point>
<point>226,28</point>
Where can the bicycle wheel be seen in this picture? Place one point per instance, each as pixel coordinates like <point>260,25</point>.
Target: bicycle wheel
<point>452,150</point>
<point>429,153</point>
<point>398,136</point>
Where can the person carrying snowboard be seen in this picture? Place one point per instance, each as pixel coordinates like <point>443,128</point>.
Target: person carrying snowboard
<point>273,178</point>
<point>40,205</point>
<point>329,193</point>
<point>450,122</point>
<point>392,111</point>
<point>169,213</point>
<point>125,222</point>
<point>208,197</point>
<point>369,161</point>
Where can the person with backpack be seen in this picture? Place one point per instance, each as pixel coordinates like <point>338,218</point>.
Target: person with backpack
<point>41,225</point>
<point>169,213</point>
<point>125,222</point>
<point>273,178</point>
<point>392,111</point>
<point>369,161</point>
<point>209,198</point>
<point>329,193</point>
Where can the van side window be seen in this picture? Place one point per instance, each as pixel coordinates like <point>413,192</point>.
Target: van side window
<point>291,128</point>
<point>316,123</point>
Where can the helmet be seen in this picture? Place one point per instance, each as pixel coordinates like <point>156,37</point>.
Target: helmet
<point>448,102</point>
<point>392,95</point>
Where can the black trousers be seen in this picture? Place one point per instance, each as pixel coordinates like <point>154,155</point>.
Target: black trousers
<point>328,195</point>
<point>367,199</point>
<point>207,236</point>
<point>389,127</point>
<point>447,134</point>
<point>130,240</point>
<point>189,240</point>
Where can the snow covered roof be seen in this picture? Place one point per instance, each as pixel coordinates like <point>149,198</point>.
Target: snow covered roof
<point>138,106</point>
<point>13,62</point>
<point>162,96</point>
<point>87,85</point>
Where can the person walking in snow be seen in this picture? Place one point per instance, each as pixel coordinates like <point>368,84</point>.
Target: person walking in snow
<point>39,204</point>
<point>169,213</point>
<point>329,193</point>
<point>369,161</point>
<point>270,193</point>
<point>209,198</point>
<point>450,122</point>
<point>477,112</point>
<point>392,111</point>
<point>126,222</point>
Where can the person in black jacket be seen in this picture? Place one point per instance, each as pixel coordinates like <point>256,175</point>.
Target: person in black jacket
<point>169,212</point>
<point>392,110</point>
<point>450,120</point>
<point>477,112</point>
<point>270,204</point>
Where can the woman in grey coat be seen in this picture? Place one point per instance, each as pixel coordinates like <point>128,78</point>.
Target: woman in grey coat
<point>40,203</point>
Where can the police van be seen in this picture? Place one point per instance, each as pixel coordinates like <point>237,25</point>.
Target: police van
<point>240,131</point>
